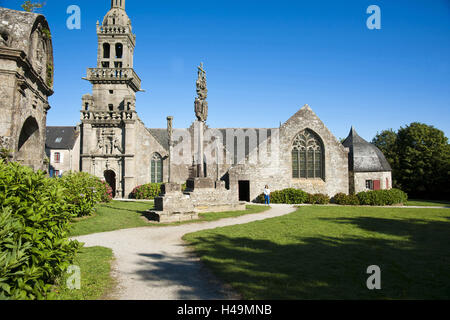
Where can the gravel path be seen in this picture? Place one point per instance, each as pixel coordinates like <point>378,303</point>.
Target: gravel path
<point>153,263</point>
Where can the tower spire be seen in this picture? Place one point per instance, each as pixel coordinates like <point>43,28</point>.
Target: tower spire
<point>118,4</point>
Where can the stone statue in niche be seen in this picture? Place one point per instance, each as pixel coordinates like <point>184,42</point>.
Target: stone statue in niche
<point>108,142</point>
<point>118,145</point>
<point>40,57</point>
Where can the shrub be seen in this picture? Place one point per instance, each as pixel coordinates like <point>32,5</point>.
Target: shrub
<point>287,196</point>
<point>34,223</point>
<point>84,191</point>
<point>346,200</point>
<point>106,192</point>
<point>318,199</point>
<point>147,191</point>
<point>382,197</point>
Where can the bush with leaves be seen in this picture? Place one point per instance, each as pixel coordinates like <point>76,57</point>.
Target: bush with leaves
<point>84,191</point>
<point>105,191</point>
<point>287,196</point>
<point>34,224</point>
<point>346,200</point>
<point>147,191</point>
<point>318,199</point>
<point>382,197</point>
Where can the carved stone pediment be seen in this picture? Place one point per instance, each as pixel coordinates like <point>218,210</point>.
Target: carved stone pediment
<point>109,141</point>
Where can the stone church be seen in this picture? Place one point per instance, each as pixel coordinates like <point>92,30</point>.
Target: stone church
<point>117,147</point>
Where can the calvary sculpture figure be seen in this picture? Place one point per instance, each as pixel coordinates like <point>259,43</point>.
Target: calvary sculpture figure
<point>201,105</point>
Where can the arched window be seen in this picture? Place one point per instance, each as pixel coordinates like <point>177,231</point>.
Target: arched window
<point>308,156</point>
<point>106,50</point>
<point>119,50</point>
<point>157,168</point>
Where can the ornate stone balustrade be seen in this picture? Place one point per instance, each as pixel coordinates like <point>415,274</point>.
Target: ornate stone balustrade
<point>113,30</point>
<point>108,116</point>
<point>106,75</point>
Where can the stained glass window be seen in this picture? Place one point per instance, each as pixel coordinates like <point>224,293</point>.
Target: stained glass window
<point>308,156</point>
<point>157,169</point>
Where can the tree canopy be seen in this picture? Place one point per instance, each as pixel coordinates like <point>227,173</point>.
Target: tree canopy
<point>420,158</point>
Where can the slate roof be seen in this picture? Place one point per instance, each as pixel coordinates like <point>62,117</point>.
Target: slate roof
<point>161,136</point>
<point>61,138</point>
<point>364,156</point>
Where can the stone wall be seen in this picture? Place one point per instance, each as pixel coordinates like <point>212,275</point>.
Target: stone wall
<point>336,156</point>
<point>26,77</point>
<point>274,168</point>
<point>146,146</point>
<point>360,179</point>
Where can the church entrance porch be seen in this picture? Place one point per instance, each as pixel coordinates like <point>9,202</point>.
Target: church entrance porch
<point>110,178</point>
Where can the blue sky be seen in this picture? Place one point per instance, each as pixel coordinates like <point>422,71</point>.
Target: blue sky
<point>266,59</point>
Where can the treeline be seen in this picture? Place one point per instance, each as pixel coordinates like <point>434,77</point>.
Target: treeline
<point>420,158</point>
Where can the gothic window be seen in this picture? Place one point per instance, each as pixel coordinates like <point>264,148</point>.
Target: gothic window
<point>157,168</point>
<point>308,156</point>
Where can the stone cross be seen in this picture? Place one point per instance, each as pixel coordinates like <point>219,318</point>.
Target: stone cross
<point>201,105</point>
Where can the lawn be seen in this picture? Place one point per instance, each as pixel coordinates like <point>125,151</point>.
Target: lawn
<point>96,280</point>
<point>95,262</point>
<point>124,215</point>
<point>324,253</point>
<point>112,216</point>
<point>428,203</point>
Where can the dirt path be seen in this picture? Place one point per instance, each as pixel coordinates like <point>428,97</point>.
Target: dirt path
<point>154,264</point>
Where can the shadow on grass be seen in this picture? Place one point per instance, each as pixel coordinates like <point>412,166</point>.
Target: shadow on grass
<point>191,280</point>
<point>141,212</point>
<point>414,266</point>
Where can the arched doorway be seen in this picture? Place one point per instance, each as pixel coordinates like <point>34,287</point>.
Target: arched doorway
<point>29,147</point>
<point>110,178</point>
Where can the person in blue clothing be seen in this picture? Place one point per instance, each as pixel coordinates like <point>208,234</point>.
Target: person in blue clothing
<point>267,196</point>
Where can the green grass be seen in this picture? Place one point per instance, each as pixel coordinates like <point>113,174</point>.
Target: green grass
<point>428,203</point>
<point>324,253</point>
<point>112,216</point>
<point>96,280</point>
<point>119,215</point>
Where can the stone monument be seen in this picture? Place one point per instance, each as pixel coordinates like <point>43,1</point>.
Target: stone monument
<point>202,193</point>
<point>201,112</point>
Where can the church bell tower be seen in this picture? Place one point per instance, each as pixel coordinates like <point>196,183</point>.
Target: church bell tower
<point>108,115</point>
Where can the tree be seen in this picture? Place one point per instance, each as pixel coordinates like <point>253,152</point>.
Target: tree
<point>386,141</point>
<point>29,6</point>
<point>420,158</point>
<point>424,160</point>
